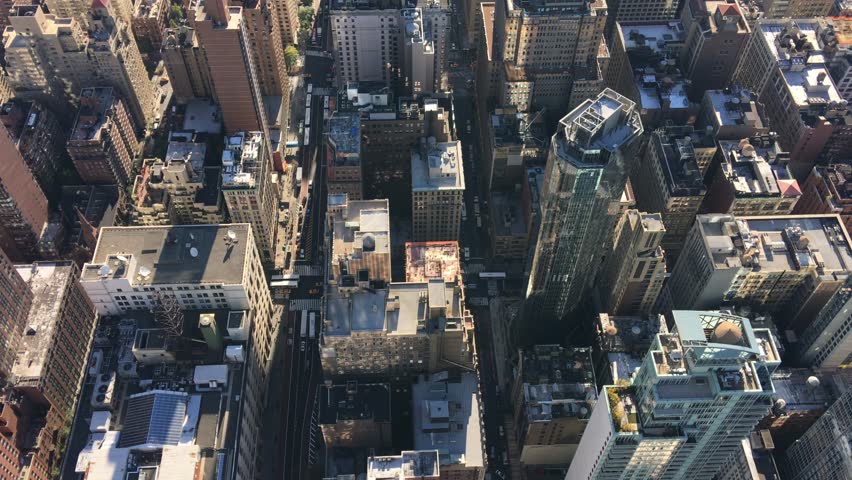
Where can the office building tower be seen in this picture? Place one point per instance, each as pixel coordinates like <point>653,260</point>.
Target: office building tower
<point>553,394</point>
<point>186,64</point>
<point>179,190</point>
<point>716,34</point>
<point>285,20</point>
<point>437,190</point>
<point>784,63</point>
<point>753,178</point>
<point>45,54</point>
<point>825,191</point>
<point>266,48</point>
<point>472,24</point>
<point>102,143</point>
<point>344,156</point>
<point>356,415</point>
<point>822,452</point>
<point>840,66</point>
<point>626,11</point>
<point>382,41</point>
<point>732,113</point>
<point>587,167</point>
<point>54,349</point>
<point>115,58</point>
<point>796,8</point>
<point>149,21</point>
<point>23,206</point>
<point>785,265</point>
<point>249,193</point>
<point>223,34</point>
<point>633,275</point>
<point>512,140</point>
<point>644,65</point>
<point>359,234</point>
<point>402,329</point>
<point>670,181</point>
<point>390,128</point>
<point>535,35</point>
<point>700,390</point>
<point>39,136</point>
<point>16,299</point>
<point>427,261</point>
<point>189,267</point>
<point>827,342</point>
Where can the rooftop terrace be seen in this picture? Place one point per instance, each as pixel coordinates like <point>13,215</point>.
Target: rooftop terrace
<point>242,160</point>
<point>426,261</point>
<point>344,135</point>
<point>604,123</point>
<point>95,104</point>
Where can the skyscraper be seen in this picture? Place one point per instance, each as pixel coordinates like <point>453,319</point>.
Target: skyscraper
<point>102,142</point>
<point>634,273</point>
<point>223,35</point>
<point>586,172</point>
<point>23,206</point>
<point>437,190</point>
<point>248,192</point>
<point>700,390</point>
<point>15,299</point>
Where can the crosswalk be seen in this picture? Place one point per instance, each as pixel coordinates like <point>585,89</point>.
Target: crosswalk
<point>299,304</point>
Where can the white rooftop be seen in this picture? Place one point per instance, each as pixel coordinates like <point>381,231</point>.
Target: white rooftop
<point>441,169</point>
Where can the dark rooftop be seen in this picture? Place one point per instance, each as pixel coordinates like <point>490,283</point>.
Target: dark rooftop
<point>354,401</point>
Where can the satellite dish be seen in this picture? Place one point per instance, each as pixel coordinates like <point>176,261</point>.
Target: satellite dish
<point>813,382</point>
<point>103,271</point>
<point>232,235</point>
<point>122,258</point>
<point>192,236</point>
<point>144,272</point>
<point>193,252</point>
<point>636,329</point>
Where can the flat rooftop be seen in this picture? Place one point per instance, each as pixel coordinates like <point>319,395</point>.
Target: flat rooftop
<point>676,146</point>
<point>507,215</point>
<point>196,254</point>
<point>757,167</point>
<point>437,166</point>
<point>654,36</point>
<point>92,114</point>
<point>358,225</point>
<point>446,418</point>
<point>776,242</point>
<point>802,60</point>
<point>354,401</point>
<point>396,310</point>
<point>735,106</point>
<point>510,127</point>
<point>839,176</point>
<point>426,261</point>
<point>49,282</point>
